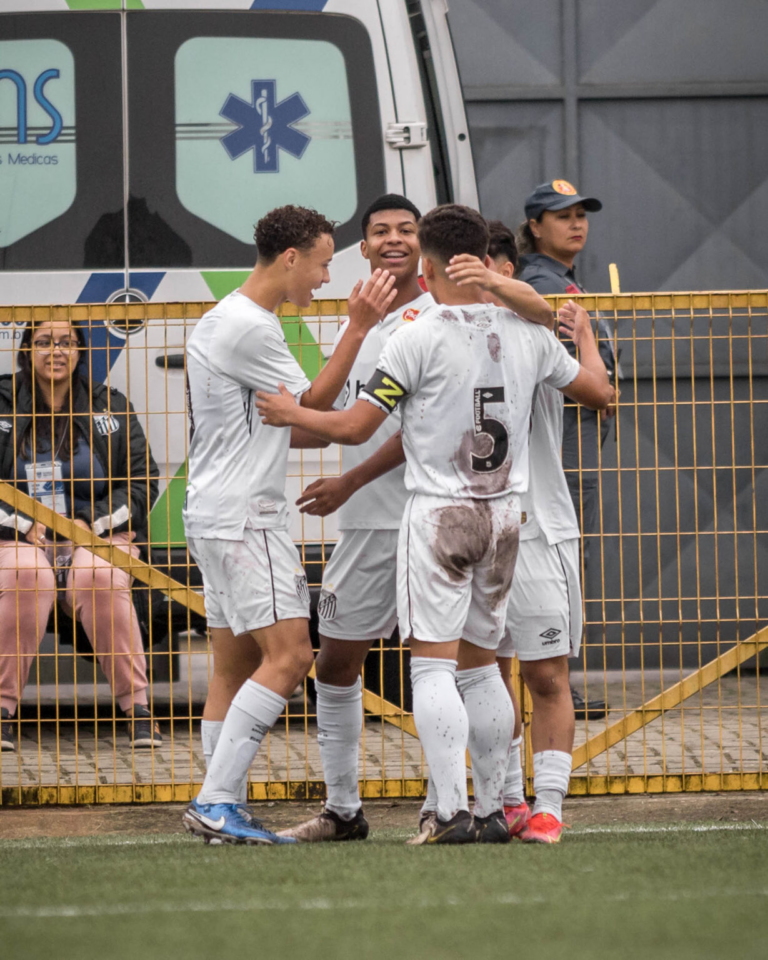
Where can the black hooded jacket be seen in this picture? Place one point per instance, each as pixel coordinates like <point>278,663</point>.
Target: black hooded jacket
<point>109,425</point>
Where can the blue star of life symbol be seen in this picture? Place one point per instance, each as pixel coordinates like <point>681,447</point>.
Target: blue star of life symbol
<point>265,126</point>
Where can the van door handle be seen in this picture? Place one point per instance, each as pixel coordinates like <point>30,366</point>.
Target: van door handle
<point>170,361</point>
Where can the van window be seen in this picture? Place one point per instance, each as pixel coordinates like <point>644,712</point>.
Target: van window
<point>232,114</point>
<point>61,167</point>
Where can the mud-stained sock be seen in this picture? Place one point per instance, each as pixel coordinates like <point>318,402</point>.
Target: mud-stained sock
<point>339,725</point>
<point>514,790</point>
<point>443,728</point>
<point>491,724</point>
<point>551,773</point>
<point>253,712</point>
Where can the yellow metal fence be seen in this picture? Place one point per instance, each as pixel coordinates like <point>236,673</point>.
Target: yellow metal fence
<point>674,574</point>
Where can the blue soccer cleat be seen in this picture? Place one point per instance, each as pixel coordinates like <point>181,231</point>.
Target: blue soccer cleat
<point>225,823</point>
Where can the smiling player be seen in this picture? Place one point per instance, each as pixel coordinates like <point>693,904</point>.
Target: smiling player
<point>256,596</point>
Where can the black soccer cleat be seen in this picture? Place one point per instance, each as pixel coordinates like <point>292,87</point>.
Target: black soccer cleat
<point>328,826</point>
<point>459,829</point>
<point>493,828</point>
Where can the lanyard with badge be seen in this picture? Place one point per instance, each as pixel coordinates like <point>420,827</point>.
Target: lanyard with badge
<point>45,483</point>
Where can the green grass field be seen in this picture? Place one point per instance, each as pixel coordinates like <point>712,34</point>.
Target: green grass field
<point>678,891</point>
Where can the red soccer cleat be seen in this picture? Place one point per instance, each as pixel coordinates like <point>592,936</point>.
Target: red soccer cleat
<point>517,818</point>
<point>542,828</point>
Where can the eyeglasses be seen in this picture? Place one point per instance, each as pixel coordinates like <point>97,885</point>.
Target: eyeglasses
<point>46,345</point>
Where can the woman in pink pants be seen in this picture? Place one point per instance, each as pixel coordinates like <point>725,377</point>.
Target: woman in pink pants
<point>77,447</point>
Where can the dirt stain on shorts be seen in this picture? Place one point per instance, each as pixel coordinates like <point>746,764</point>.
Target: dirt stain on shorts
<point>462,536</point>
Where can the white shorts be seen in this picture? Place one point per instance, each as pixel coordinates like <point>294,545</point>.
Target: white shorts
<point>544,617</point>
<point>359,596</point>
<point>251,583</point>
<point>455,563</point>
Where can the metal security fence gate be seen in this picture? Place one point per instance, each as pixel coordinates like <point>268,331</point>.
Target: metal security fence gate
<point>675,587</point>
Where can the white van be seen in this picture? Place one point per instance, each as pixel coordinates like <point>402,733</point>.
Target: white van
<point>140,141</point>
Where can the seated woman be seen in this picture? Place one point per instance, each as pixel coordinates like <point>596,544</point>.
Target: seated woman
<point>77,447</point>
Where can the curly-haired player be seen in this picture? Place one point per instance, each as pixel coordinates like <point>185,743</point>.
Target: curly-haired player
<point>256,596</point>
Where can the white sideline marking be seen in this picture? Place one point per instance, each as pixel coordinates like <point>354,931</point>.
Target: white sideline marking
<point>673,828</point>
<point>324,904</point>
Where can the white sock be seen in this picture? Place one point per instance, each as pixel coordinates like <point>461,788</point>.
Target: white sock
<point>491,724</point>
<point>551,773</point>
<point>443,728</point>
<point>253,712</point>
<point>514,790</point>
<point>211,731</point>
<point>339,725</point>
<point>430,803</point>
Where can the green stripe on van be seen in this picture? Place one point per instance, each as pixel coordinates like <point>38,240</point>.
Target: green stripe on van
<point>166,528</point>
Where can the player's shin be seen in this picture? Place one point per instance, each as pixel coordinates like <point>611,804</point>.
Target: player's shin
<point>210,731</point>
<point>514,789</point>
<point>442,725</point>
<point>551,774</point>
<point>339,725</point>
<point>491,724</point>
<point>253,712</point>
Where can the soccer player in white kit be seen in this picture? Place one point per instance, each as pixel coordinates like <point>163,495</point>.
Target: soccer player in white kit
<point>358,602</point>
<point>235,518</point>
<point>544,617</point>
<point>465,374</point>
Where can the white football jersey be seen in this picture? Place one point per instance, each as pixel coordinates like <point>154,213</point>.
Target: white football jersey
<point>237,465</point>
<point>466,376</point>
<point>547,505</point>
<point>378,505</point>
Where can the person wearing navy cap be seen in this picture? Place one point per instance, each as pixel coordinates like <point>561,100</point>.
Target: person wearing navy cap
<point>553,233</point>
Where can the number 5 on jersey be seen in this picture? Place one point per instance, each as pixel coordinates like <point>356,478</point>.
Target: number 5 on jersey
<point>492,428</point>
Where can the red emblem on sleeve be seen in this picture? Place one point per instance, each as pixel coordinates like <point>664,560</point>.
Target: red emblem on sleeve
<point>410,315</point>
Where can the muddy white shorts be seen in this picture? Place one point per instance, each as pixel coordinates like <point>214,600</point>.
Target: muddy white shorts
<point>359,596</point>
<point>253,582</point>
<point>544,615</point>
<point>455,563</point>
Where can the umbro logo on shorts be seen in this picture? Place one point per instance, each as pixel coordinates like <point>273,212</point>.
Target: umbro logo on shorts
<point>302,590</point>
<point>550,636</point>
<point>326,608</point>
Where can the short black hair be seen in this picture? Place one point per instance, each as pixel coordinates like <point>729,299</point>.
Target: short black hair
<point>502,243</point>
<point>389,201</point>
<point>452,229</point>
<point>286,227</point>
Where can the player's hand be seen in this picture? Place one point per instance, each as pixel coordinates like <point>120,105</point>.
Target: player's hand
<point>464,269</point>
<point>324,497</point>
<point>575,322</point>
<point>277,409</point>
<point>370,303</point>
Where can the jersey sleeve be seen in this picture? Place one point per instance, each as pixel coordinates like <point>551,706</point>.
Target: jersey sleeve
<point>259,359</point>
<point>557,367</point>
<point>397,372</point>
